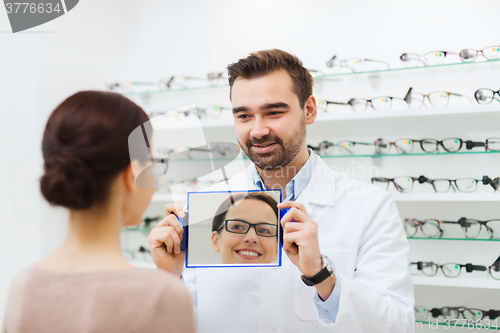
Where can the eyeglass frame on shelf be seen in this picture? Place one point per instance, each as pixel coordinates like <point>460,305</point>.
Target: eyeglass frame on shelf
<point>422,179</point>
<point>468,267</point>
<point>477,53</point>
<point>492,97</point>
<point>409,93</point>
<point>420,224</point>
<point>343,62</point>
<point>460,54</point>
<point>341,144</point>
<point>419,58</point>
<point>462,222</point>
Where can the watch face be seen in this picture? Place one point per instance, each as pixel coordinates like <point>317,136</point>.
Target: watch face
<point>328,261</point>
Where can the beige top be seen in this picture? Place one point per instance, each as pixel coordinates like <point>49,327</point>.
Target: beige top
<point>123,301</point>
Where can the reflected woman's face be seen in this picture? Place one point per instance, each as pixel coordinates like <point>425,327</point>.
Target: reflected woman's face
<point>248,248</point>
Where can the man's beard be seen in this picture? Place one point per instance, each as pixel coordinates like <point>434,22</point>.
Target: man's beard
<point>282,154</point>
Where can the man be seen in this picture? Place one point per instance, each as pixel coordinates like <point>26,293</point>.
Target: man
<point>335,224</point>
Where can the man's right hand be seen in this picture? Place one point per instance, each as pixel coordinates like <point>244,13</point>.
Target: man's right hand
<point>165,241</point>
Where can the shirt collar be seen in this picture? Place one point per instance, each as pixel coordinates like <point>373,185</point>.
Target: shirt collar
<point>298,183</point>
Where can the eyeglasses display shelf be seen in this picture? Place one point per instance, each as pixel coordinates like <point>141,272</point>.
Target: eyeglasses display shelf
<point>460,325</point>
<point>407,70</point>
<point>175,90</point>
<point>433,197</point>
<point>472,111</point>
<point>328,77</point>
<point>456,239</point>
<point>355,156</point>
<point>480,283</point>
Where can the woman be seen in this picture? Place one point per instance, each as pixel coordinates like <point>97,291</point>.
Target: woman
<point>86,285</point>
<point>245,229</point>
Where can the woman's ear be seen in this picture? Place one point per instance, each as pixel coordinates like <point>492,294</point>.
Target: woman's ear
<point>215,241</point>
<point>143,175</point>
<point>128,179</point>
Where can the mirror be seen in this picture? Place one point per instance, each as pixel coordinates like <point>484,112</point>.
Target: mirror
<point>235,229</point>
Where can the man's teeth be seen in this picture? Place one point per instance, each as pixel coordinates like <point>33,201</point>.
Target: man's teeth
<point>263,146</point>
<point>248,253</point>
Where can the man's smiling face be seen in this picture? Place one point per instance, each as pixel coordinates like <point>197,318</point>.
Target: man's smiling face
<point>269,121</point>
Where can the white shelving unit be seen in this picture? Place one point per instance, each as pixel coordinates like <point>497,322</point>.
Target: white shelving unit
<point>467,110</point>
<point>459,119</point>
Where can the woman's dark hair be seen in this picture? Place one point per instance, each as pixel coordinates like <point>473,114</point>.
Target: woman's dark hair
<point>85,146</point>
<point>227,204</point>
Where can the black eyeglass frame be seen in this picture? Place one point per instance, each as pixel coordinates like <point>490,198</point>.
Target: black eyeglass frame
<point>250,226</point>
<point>469,268</point>
<point>492,97</point>
<point>436,312</point>
<point>439,143</point>
<point>465,223</point>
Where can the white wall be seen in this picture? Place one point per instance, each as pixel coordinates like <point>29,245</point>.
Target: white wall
<point>83,49</point>
<point>195,37</point>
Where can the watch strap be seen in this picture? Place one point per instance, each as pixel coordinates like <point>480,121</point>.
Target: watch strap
<point>325,272</point>
<point>318,278</point>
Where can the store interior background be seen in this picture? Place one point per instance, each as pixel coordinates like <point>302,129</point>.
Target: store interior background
<point>100,42</point>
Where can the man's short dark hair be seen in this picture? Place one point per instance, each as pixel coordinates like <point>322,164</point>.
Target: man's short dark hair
<point>260,63</point>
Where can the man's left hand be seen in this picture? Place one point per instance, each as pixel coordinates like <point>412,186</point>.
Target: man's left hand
<point>300,238</point>
<point>300,243</point>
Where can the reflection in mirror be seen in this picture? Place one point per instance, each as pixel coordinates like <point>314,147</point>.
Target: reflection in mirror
<point>234,229</point>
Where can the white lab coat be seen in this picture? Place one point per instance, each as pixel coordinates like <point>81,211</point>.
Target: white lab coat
<point>359,229</point>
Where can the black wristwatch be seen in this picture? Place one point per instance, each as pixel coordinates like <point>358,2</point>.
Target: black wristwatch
<point>327,271</point>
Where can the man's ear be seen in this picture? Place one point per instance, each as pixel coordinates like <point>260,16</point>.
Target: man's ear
<point>311,110</point>
<point>215,241</point>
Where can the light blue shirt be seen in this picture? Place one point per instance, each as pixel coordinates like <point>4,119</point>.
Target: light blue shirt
<point>329,308</point>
